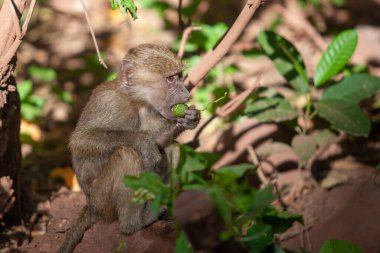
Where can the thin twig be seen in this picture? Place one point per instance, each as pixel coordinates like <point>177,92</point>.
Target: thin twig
<point>231,106</point>
<point>28,17</point>
<point>185,36</point>
<point>214,56</point>
<point>93,36</point>
<point>264,180</point>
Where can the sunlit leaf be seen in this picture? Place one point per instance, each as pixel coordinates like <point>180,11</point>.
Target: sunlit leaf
<point>337,55</point>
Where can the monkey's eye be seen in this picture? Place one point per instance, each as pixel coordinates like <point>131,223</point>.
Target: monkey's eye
<point>172,79</point>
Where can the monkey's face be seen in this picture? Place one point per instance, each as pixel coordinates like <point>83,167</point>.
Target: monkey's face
<point>153,75</point>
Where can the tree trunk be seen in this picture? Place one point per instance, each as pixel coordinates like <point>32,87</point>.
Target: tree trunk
<point>10,148</point>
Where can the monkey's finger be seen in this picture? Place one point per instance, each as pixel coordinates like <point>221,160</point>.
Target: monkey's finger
<point>192,111</point>
<point>181,120</point>
<point>191,116</point>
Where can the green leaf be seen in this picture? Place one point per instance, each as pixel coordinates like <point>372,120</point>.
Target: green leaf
<point>271,148</point>
<point>182,245</point>
<point>213,34</point>
<point>37,101</point>
<point>125,6</point>
<point>339,246</point>
<point>30,112</point>
<point>337,55</point>
<point>261,200</point>
<point>24,89</point>
<point>120,247</point>
<point>192,161</point>
<point>114,4</point>
<point>111,76</point>
<point>259,236</point>
<point>286,58</point>
<point>43,74</point>
<point>353,88</point>
<point>159,6</point>
<point>271,109</point>
<point>304,146</point>
<point>191,9</point>
<point>345,116</point>
<point>235,171</point>
<point>148,186</point>
<point>324,136</point>
<point>280,221</point>
<point>207,37</point>
<point>222,205</point>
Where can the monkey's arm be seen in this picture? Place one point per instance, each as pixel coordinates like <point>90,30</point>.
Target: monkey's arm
<point>99,142</point>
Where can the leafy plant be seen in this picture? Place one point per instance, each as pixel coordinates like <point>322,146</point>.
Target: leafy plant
<point>339,103</point>
<point>242,207</point>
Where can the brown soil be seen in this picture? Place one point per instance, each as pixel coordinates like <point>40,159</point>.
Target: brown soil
<point>346,212</point>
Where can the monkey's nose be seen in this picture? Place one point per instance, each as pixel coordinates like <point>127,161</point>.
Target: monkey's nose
<point>186,97</point>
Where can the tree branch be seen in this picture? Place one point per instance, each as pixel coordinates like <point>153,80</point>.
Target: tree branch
<point>9,48</point>
<point>214,56</point>
<point>231,106</point>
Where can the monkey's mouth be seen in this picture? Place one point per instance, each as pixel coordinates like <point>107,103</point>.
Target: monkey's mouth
<point>167,113</point>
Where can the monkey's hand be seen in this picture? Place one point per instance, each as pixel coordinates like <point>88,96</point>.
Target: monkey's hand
<point>191,118</point>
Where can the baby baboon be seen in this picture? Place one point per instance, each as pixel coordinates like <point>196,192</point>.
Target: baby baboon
<point>127,127</point>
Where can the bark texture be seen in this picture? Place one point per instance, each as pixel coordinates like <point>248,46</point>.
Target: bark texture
<point>10,39</point>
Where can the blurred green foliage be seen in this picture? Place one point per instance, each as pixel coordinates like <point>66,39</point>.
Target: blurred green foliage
<point>338,104</point>
<point>125,6</point>
<point>31,105</point>
<point>242,206</point>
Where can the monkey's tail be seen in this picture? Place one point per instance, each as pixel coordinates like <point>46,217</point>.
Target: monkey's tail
<point>76,232</point>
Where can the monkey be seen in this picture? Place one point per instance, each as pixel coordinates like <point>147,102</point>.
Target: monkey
<point>127,127</point>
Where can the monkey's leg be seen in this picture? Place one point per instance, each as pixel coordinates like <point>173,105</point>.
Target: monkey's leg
<point>125,161</point>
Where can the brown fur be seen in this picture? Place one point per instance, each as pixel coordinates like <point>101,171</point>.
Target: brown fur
<point>125,128</point>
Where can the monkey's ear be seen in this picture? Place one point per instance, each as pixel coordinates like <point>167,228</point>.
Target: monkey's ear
<point>124,74</point>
